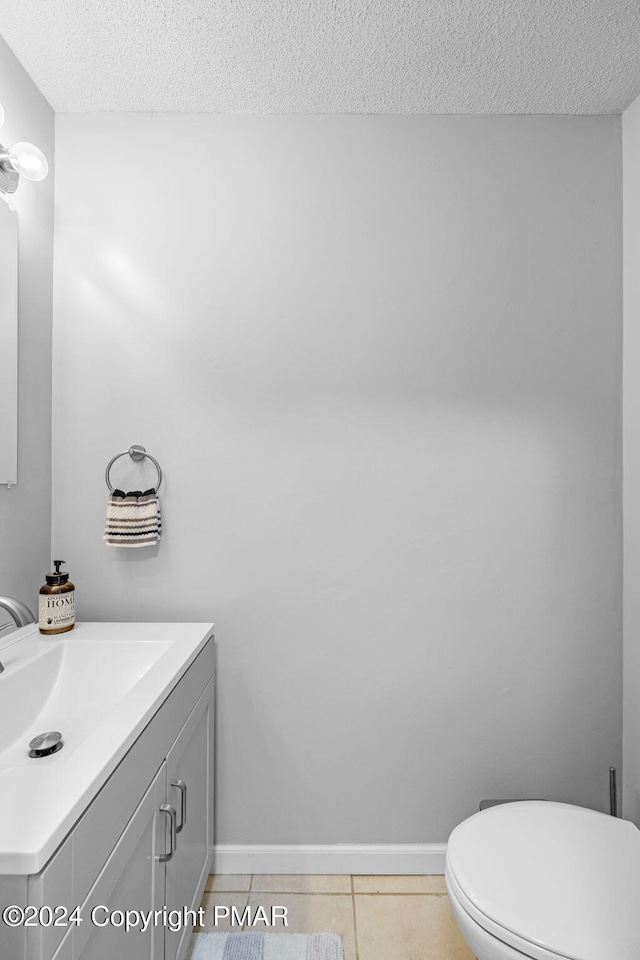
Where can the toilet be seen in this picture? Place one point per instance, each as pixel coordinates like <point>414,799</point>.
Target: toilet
<point>536,880</point>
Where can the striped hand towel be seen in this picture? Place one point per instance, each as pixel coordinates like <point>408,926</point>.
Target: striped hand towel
<point>133,519</point>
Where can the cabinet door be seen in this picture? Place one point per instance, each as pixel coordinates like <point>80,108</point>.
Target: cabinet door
<point>190,791</point>
<point>131,879</point>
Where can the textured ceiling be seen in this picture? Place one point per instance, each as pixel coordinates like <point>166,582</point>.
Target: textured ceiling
<point>330,56</point>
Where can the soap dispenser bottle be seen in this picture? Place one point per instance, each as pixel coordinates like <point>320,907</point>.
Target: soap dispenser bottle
<point>57,607</point>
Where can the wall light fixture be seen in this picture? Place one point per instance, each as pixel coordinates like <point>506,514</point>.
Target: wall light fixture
<point>24,160</point>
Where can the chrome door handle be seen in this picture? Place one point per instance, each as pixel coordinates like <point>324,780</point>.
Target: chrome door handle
<point>182,787</point>
<point>171,813</point>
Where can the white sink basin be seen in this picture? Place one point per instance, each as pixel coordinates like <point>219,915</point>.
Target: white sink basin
<point>98,685</point>
<point>68,686</point>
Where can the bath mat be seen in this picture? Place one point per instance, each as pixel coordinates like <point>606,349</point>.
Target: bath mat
<point>266,946</point>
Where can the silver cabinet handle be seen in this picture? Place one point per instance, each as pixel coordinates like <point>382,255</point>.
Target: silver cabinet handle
<point>171,812</point>
<point>182,787</point>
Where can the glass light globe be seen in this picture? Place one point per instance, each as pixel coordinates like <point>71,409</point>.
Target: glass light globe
<point>29,162</point>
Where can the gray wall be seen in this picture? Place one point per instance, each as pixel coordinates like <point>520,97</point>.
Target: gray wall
<point>25,509</point>
<point>379,360</point>
<point>631,167</point>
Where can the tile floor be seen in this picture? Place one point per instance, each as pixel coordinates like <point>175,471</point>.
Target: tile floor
<point>379,918</point>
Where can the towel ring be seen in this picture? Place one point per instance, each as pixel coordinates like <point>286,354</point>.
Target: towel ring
<point>136,452</point>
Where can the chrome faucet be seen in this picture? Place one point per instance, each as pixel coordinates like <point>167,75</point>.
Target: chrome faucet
<point>20,612</point>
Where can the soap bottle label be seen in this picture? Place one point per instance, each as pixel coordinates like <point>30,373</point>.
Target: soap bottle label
<point>57,610</point>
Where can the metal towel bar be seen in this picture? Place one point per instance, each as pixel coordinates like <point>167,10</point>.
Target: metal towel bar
<point>136,452</point>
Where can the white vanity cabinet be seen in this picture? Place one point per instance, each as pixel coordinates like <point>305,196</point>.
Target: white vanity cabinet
<point>190,782</point>
<point>133,879</point>
<point>144,843</point>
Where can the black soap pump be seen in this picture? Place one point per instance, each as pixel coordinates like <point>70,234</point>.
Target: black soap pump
<point>57,606</point>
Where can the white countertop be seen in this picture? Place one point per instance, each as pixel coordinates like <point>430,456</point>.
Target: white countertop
<point>40,800</point>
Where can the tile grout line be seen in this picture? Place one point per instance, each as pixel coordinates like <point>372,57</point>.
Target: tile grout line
<point>399,893</point>
<point>251,876</point>
<point>355,922</point>
<point>331,893</point>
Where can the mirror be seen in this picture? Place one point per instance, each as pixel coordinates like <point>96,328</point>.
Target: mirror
<point>8,344</point>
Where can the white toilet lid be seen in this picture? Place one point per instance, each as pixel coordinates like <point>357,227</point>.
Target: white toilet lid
<point>562,877</point>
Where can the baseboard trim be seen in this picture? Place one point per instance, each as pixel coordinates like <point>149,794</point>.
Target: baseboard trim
<point>366,859</point>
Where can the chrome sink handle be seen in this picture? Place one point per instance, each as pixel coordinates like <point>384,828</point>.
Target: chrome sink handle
<point>171,813</point>
<point>182,787</point>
